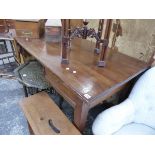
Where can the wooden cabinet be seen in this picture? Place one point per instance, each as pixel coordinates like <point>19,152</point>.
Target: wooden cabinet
<point>30,28</point>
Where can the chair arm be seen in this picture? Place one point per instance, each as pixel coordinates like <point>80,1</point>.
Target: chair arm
<point>112,119</point>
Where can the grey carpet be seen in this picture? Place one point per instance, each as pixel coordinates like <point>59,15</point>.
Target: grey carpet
<point>12,121</point>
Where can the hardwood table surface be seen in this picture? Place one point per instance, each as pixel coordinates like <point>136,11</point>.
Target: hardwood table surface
<point>81,82</point>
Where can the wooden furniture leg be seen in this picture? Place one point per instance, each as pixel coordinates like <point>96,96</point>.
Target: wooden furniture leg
<point>61,100</point>
<point>100,29</point>
<point>80,115</point>
<point>108,24</point>
<point>65,41</point>
<point>30,129</point>
<point>25,91</point>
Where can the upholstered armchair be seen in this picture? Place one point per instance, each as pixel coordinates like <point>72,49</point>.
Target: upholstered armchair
<point>136,115</point>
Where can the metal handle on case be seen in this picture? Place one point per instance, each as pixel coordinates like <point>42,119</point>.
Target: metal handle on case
<point>50,122</point>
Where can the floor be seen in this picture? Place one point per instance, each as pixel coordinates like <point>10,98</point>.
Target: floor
<point>12,120</point>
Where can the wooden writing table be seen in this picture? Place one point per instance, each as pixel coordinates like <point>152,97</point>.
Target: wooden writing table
<point>88,85</point>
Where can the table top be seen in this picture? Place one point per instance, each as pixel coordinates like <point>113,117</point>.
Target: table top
<point>82,74</point>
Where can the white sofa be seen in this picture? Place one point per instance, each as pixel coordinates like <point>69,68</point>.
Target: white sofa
<point>134,116</point>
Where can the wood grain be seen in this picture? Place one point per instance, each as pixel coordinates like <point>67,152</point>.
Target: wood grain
<point>39,108</point>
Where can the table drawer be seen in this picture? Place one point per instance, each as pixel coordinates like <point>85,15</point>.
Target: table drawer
<point>69,95</point>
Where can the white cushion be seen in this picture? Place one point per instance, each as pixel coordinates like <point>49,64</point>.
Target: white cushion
<point>138,108</point>
<point>135,129</point>
<point>143,98</point>
<point>112,119</point>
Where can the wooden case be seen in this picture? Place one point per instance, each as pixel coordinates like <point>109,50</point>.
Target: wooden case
<point>53,30</point>
<point>30,28</point>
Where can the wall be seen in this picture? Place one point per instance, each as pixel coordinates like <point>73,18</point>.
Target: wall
<point>138,37</point>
